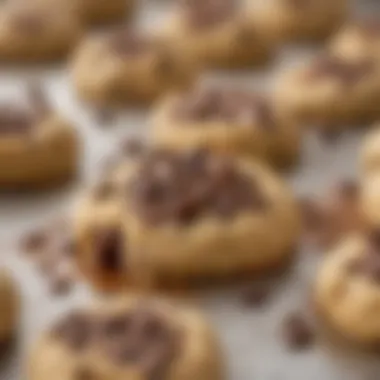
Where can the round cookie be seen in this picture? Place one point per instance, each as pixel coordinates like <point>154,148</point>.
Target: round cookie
<point>37,147</point>
<point>99,11</point>
<point>357,40</point>
<point>290,20</point>
<point>9,305</point>
<point>347,291</point>
<point>182,218</point>
<point>127,66</point>
<point>33,31</point>
<point>227,120</point>
<point>130,338</point>
<point>331,92</point>
<point>216,34</point>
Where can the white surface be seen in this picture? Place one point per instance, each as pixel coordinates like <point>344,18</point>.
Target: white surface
<point>251,337</point>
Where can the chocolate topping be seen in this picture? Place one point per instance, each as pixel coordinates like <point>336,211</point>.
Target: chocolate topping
<point>181,187</point>
<point>226,105</point>
<point>138,337</point>
<point>202,14</point>
<point>349,73</point>
<point>126,43</point>
<point>14,120</point>
<point>75,331</point>
<point>109,249</point>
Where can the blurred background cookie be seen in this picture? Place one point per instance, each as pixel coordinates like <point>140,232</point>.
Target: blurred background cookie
<point>228,120</point>
<point>126,66</point>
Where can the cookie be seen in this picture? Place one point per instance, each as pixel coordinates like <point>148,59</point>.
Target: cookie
<point>295,20</point>
<point>130,338</point>
<point>331,92</point>
<point>126,66</point>
<point>227,120</point>
<point>370,153</point>
<point>33,31</point>
<point>216,34</point>
<point>99,11</point>
<point>184,218</point>
<point>347,289</point>
<point>10,305</point>
<point>38,148</point>
<point>357,40</point>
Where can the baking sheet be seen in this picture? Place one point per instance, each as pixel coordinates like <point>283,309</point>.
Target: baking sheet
<point>251,337</point>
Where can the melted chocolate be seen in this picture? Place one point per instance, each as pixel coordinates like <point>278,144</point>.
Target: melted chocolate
<point>182,187</point>
<point>226,105</point>
<point>109,250</point>
<point>349,73</point>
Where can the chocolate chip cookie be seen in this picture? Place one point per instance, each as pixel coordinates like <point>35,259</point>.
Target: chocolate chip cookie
<point>294,20</point>
<point>130,338</point>
<point>347,290</point>
<point>357,40</point>
<point>216,34</point>
<point>181,217</point>
<point>331,92</point>
<point>227,120</point>
<point>127,66</point>
<point>38,148</point>
<point>33,31</point>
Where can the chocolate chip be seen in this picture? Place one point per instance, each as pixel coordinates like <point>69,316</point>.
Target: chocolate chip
<point>109,249</point>
<point>84,373</point>
<point>133,147</point>
<point>34,241</point>
<point>256,296</point>
<point>297,332</point>
<point>14,120</point>
<point>127,43</point>
<point>116,326</point>
<point>105,116</point>
<point>208,13</point>
<point>348,72</point>
<point>75,330</point>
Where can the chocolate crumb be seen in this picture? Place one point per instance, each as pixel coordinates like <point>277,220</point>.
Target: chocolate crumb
<point>297,332</point>
<point>105,116</point>
<point>34,241</point>
<point>60,286</point>
<point>256,296</point>
<point>132,147</point>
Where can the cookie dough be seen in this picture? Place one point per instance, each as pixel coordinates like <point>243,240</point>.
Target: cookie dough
<point>37,147</point>
<point>184,217</point>
<point>127,66</point>
<point>98,11</point>
<point>291,20</point>
<point>131,338</point>
<point>347,289</point>
<point>331,92</point>
<point>33,31</point>
<point>357,40</point>
<point>9,305</point>
<point>216,34</point>
<point>227,120</point>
